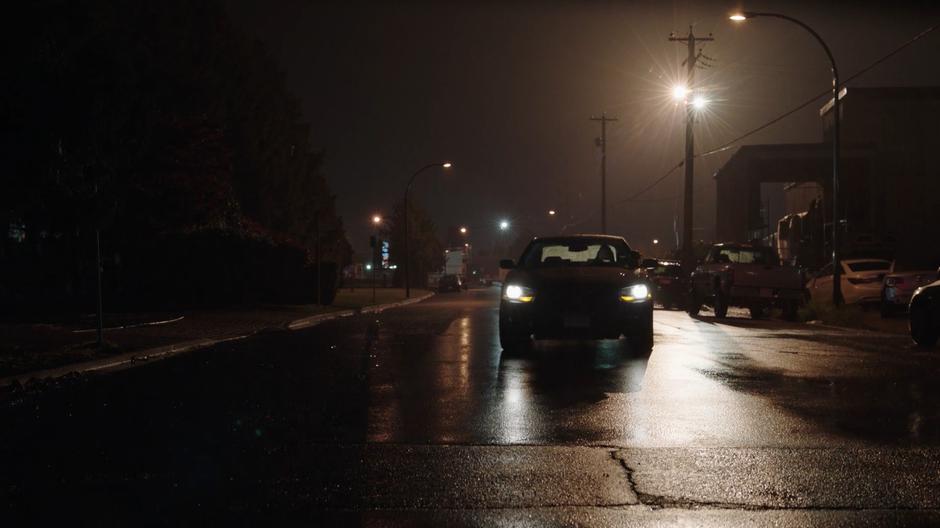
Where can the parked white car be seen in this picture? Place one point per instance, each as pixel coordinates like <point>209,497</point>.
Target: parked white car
<point>861,280</point>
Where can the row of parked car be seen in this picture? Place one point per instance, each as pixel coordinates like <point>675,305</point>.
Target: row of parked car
<point>751,276</point>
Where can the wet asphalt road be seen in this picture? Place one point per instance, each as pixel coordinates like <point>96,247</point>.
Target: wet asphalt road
<point>415,417</point>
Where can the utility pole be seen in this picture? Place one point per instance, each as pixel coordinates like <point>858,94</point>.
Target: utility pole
<point>688,252</point>
<point>603,144</point>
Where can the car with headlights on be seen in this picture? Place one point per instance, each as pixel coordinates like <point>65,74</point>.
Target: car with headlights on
<point>579,286</point>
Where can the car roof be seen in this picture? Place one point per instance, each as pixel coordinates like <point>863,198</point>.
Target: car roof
<point>612,238</point>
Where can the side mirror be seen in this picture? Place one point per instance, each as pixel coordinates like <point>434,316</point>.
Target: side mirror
<point>507,264</point>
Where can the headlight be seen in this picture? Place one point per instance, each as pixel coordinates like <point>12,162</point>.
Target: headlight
<point>636,293</point>
<point>516,293</point>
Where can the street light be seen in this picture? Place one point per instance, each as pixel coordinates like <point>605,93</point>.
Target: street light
<point>679,92</point>
<point>504,225</point>
<point>551,212</point>
<point>446,165</point>
<point>376,221</point>
<point>836,252</point>
<point>463,230</point>
<point>699,102</point>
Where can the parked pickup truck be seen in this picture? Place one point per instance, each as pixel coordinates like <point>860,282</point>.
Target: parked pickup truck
<point>745,275</point>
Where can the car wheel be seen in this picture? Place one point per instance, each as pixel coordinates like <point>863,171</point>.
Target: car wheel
<point>790,310</point>
<point>511,337</point>
<point>720,303</point>
<point>640,337</point>
<point>921,330</point>
<point>757,312</point>
<point>694,304</point>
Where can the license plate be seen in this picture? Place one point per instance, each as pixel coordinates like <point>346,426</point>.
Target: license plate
<point>766,292</point>
<point>577,321</point>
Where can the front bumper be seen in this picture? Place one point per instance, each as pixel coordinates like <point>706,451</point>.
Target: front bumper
<point>594,321</point>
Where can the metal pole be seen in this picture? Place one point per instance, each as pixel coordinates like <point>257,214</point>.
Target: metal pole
<point>407,255</point>
<point>688,253</point>
<point>375,243</point>
<point>836,131</point>
<point>98,275</point>
<point>603,144</point>
<point>836,217</point>
<point>603,173</point>
<point>319,270</point>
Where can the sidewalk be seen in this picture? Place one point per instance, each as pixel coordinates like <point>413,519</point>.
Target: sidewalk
<point>39,349</point>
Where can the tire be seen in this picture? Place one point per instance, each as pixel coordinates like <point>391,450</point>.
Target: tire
<point>720,303</point>
<point>511,338</point>
<point>790,311</point>
<point>757,312</point>
<point>694,305</point>
<point>921,331</point>
<point>640,337</point>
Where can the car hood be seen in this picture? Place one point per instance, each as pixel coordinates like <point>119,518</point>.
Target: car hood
<point>589,277</point>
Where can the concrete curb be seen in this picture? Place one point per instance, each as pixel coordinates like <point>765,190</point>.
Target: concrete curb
<point>140,357</point>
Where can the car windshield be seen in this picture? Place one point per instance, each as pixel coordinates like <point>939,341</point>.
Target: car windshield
<point>579,251</point>
<point>869,265</point>
<point>747,255</point>
<point>671,270</point>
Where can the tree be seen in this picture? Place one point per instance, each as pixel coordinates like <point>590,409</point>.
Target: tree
<point>425,248</point>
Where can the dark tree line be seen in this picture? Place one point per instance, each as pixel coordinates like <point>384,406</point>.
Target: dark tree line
<point>151,121</point>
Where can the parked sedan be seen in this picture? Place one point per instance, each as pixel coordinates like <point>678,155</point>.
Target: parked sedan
<point>582,286</point>
<point>861,280</point>
<point>899,287</point>
<point>925,314</point>
<point>670,288</point>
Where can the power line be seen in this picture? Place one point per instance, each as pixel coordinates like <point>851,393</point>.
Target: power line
<point>726,146</point>
<point>784,115</point>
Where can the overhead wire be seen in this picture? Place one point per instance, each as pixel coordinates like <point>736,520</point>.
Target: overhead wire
<point>729,144</point>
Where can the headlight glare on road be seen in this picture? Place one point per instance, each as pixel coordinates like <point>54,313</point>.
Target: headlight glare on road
<point>517,293</point>
<point>636,293</point>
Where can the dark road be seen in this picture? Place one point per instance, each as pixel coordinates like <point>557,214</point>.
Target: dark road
<point>415,417</point>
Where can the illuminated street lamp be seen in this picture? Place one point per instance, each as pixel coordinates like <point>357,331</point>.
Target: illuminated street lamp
<point>503,225</point>
<point>699,102</point>
<point>376,222</point>
<point>445,165</point>
<point>463,230</point>
<point>836,253</point>
<point>679,92</point>
<point>551,212</point>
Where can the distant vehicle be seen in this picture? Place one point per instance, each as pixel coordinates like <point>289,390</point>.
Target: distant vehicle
<point>455,262</point>
<point>925,313</point>
<point>450,283</point>
<point>898,288</point>
<point>580,286</point>
<point>744,275</point>
<point>861,281</point>
<point>670,287</point>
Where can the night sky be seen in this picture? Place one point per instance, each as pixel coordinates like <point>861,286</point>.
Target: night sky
<point>505,92</point>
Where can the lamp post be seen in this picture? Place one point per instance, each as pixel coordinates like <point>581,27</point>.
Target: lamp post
<point>836,252</point>
<point>445,165</point>
<point>376,221</point>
